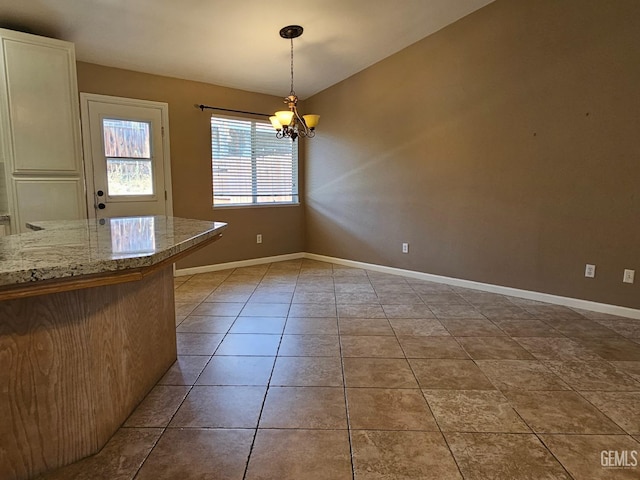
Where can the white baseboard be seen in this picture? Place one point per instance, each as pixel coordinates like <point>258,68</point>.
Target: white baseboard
<point>241,263</point>
<point>487,287</point>
<point>457,282</point>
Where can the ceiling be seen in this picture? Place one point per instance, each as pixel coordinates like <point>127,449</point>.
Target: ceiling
<point>236,43</point>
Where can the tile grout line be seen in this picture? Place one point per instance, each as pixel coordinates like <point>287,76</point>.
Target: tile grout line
<point>579,393</point>
<point>344,387</point>
<point>166,427</point>
<point>553,454</point>
<point>266,393</point>
<point>135,474</point>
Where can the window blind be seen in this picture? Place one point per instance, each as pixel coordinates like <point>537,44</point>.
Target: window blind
<point>250,165</point>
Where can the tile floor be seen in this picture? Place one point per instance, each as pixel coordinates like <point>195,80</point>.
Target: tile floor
<point>306,370</point>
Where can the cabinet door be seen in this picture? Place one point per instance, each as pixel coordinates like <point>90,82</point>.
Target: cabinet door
<point>48,199</point>
<point>41,93</point>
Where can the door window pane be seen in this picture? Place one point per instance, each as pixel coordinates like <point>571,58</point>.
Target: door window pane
<point>127,147</point>
<point>126,138</point>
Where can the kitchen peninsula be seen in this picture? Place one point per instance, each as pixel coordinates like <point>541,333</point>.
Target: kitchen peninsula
<point>87,327</point>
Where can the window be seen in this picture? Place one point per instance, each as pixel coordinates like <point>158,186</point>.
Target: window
<point>250,165</point>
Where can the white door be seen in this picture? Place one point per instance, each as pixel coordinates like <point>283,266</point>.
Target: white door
<point>126,156</point>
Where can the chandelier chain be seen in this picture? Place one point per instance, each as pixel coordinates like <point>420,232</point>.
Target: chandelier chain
<point>292,91</point>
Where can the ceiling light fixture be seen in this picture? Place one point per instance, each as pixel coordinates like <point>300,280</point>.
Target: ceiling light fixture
<point>288,123</point>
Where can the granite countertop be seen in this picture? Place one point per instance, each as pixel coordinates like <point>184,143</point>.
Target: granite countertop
<point>62,249</point>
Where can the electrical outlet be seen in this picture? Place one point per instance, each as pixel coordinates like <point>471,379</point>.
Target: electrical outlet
<point>590,271</point>
<point>405,248</point>
<point>259,238</point>
<point>629,276</point>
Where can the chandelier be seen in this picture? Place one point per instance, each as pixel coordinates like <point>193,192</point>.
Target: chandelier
<point>289,123</point>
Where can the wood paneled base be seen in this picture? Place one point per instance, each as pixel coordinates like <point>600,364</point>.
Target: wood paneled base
<point>74,365</point>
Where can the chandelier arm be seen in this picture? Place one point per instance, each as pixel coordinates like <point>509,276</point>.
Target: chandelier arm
<point>302,125</point>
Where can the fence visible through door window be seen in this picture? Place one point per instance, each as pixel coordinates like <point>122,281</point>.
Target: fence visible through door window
<point>127,146</point>
<point>250,165</point>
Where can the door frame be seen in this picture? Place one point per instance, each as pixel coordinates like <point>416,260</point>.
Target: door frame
<point>85,98</point>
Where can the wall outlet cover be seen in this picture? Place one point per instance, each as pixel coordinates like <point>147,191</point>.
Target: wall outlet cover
<point>629,276</point>
<point>590,271</point>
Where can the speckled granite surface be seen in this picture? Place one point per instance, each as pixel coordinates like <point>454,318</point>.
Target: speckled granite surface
<point>82,247</point>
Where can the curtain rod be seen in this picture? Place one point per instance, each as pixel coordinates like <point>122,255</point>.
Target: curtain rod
<point>202,107</point>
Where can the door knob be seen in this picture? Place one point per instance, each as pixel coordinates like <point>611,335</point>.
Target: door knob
<point>100,193</point>
<point>102,206</point>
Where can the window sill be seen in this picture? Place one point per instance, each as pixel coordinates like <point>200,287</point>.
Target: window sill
<point>256,205</point>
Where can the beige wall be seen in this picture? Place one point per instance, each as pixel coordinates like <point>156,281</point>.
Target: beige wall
<point>505,149</point>
<point>281,227</point>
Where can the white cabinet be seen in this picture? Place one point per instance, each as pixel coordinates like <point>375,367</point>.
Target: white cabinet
<point>40,129</point>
